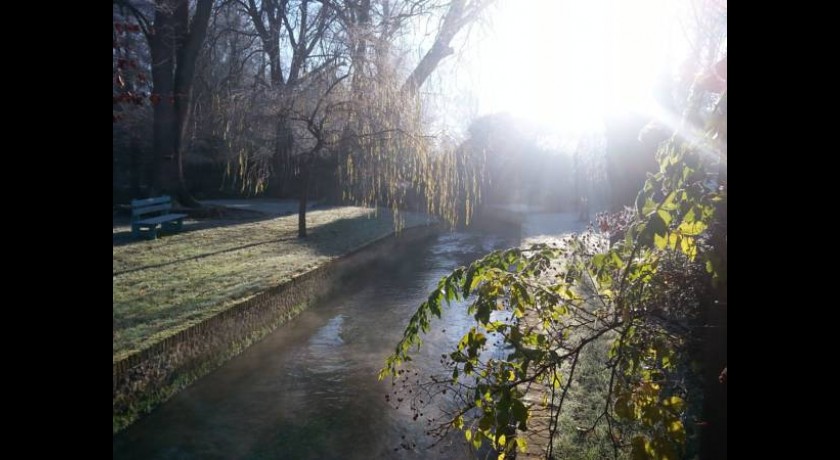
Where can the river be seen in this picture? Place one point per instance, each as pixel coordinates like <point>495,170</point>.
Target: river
<point>309,390</point>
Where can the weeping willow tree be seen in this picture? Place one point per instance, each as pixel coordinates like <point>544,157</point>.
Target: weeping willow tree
<point>387,156</point>
<point>390,158</point>
<point>245,117</point>
<point>384,155</point>
<point>355,108</point>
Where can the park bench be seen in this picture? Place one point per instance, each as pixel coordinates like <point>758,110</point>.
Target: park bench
<point>149,213</point>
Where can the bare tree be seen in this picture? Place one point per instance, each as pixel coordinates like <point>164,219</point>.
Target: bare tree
<point>175,38</point>
<point>290,32</point>
<point>260,79</point>
<point>460,14</point>
<point>315,111</point>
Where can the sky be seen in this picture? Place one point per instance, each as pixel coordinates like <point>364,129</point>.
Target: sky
<point>569,63</point>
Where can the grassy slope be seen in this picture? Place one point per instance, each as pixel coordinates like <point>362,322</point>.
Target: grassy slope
<point>166,285</point>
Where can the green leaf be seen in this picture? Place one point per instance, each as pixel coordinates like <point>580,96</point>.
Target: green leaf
<point>434,307</point>
<point>689,247</point>
<point>692,228</point>
<point>669,203</point>
<point>639,449</point>
<point>648,207</point>
<point>687,173</point>
<point>523,293</point>
<point>519,412</point>
<point>458,422</point>
<point>664,215</point>
<point>673,240</point>
<point>486,421</point>
<point>599,260</point>
<point>675,402</point>
<point>468,282</point>
<point>624,408</point>
<point>450,295</point>
<point>654,226</point>
<point>677,431</point>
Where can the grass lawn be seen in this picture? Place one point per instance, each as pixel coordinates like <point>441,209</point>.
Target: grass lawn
<point>166,285</point>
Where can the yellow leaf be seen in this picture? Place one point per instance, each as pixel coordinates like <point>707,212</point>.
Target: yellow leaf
<point>660,241</point>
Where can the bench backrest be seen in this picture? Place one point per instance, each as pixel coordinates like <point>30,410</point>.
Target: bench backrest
<point>158,204</point>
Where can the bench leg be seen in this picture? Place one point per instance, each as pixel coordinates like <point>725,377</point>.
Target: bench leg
<point>150,233</point>
<point>174,226</point>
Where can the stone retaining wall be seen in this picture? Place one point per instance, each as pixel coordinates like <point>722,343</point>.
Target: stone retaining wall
<point>147,378</point>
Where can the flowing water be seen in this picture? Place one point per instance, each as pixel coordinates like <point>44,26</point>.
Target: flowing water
<point>309,390</point>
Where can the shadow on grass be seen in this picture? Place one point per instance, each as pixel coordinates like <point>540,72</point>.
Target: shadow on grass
<point>331,239</point>
<point>200,219</point>
<point>201,256</point>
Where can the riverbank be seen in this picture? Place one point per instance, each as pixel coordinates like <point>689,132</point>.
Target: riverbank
<point>185,303</point>
<point>163,286</point>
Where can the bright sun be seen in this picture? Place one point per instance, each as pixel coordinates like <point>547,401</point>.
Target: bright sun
<point>569,63</point>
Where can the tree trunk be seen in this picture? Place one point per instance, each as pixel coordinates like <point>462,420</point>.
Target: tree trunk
<point>281,168</point>
<point>457,17</point>
<point>163,84</point>
<point>304,195</point>
<point>361,37</point>
<point>165,133</point>
<point>174,45</point>
<point>134,160</point>
<point>713,436</point>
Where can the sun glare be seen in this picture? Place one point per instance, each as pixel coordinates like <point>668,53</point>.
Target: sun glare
<point>570,63</point>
